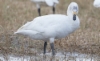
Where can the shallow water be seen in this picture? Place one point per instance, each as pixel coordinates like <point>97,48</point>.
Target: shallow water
<point>48,57</point>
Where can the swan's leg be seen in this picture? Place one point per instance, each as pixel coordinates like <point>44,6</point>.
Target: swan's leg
<point>53,9</point>
<point>45,45</point>
<point>52,45</point>
<point>39,9</point>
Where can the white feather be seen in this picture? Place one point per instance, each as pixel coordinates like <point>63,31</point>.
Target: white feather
<point>48,2</point>
<point>51,2</point>
<point>96,3</point>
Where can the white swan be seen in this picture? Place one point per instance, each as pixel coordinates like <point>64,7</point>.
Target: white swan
<point>50,27</point>
<point>51,3</point>
<point>96,3</point>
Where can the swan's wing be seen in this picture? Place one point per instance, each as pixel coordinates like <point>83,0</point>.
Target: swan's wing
<point>42,22</point>
<point>32,27</point>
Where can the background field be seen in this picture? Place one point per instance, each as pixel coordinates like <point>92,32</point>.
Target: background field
<point>15,13</point>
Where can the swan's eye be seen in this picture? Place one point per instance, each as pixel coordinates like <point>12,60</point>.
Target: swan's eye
<point>75,8</point>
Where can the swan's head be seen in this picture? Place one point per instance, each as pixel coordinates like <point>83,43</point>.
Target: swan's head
<point>73,10</point>
<point>96,3</point>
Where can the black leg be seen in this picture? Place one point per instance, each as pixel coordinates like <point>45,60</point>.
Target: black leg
<point>39,11</point>
<point>53,9</point>
<point>52,47</point>
<point>45,45</point>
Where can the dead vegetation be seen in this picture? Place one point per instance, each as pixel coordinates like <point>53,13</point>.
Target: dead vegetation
<point>14,13</point>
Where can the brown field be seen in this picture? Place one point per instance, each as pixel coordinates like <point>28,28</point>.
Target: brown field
<point>15,13</point>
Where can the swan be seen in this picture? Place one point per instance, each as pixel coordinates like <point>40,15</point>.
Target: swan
<point>51,3</point>
<point>96,3</point>
<point>52,26</point>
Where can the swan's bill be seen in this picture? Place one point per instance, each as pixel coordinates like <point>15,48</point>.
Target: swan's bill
<point>74,15</point>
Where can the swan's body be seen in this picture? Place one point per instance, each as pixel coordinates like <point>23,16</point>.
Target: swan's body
<point>45,27</point>
<point>51,3</point>
<point>96,3</point>
<point>50,27</point>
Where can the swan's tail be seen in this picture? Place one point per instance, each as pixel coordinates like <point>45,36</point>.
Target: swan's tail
<point>22,27</point>
<point>26,32</point>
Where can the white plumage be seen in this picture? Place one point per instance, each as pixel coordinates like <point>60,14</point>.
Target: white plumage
<point>96,3</point>
<point>54,26</point>
<point>48,26</point>
<point>51,3</point>
<point>48,2</point>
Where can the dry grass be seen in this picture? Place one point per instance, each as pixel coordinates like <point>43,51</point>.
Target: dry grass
<point>14,13</point>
